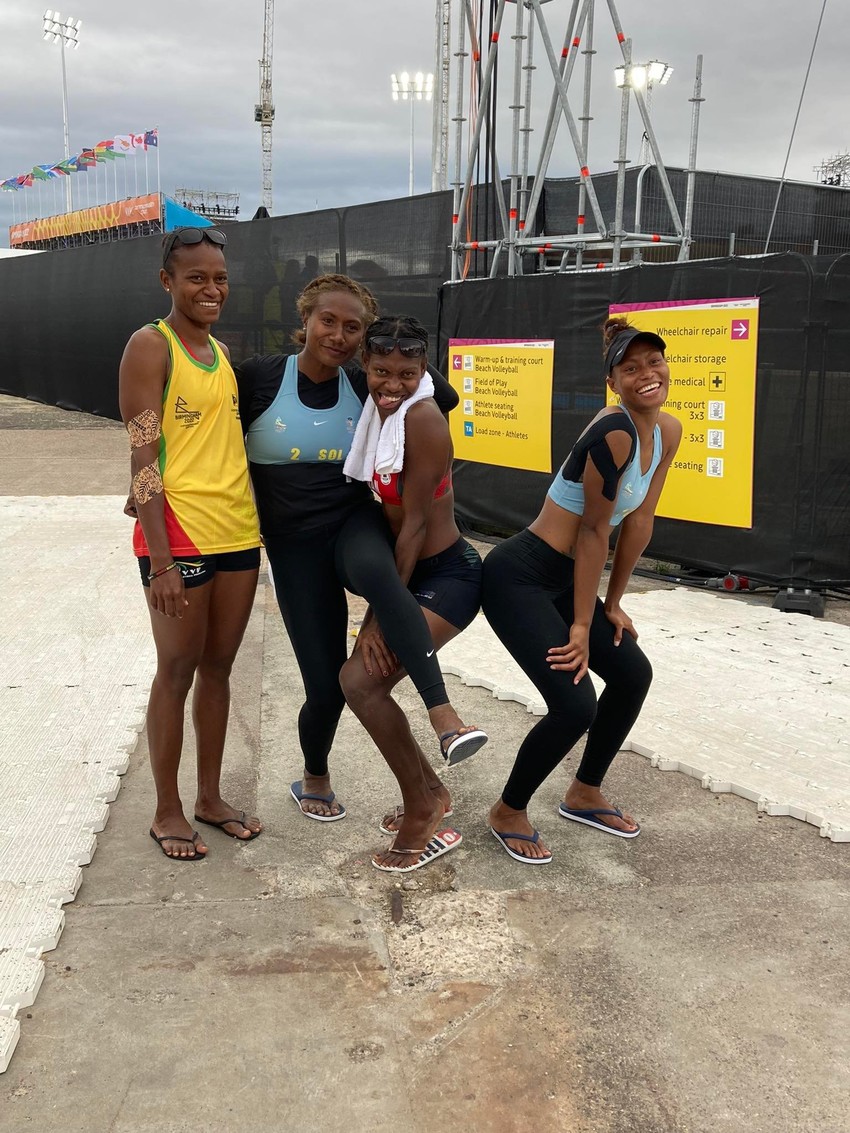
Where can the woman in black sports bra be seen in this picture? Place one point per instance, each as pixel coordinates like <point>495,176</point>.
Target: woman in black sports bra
<point>540,589</point>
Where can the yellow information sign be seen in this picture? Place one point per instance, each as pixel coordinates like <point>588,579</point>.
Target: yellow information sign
<point>505,411</point>
<point>711,351</point>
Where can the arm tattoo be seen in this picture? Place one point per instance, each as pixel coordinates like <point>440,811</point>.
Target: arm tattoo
<point>147,483</point>
<point>144,429</point>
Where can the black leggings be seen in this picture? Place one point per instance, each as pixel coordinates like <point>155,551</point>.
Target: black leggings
<point>528,600</point>
<point>310,576</point>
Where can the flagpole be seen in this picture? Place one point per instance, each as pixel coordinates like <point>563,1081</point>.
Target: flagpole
<point>158,182</point>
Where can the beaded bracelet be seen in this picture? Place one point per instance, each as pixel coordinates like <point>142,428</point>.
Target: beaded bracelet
<point>157,573</point>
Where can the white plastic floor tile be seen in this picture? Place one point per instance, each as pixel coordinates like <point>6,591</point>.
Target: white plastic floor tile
<point>746,699</point>
<point>76,661</point>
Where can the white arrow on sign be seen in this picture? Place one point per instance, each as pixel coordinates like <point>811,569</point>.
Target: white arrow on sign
<point>740,329</point>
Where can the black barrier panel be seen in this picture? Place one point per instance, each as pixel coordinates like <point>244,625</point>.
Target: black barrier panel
<point>66,315</point>
<point>801,505</point>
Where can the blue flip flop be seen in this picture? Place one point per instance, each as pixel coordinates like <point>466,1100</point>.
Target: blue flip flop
<point>533,838</point>
<point>299,794</point>
<point>591,818</point>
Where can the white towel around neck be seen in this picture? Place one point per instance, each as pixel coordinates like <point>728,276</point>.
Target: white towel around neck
<point>379,447</point>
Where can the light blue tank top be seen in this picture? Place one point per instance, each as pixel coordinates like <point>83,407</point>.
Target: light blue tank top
<point>631,491</point>
<point>289,431</point>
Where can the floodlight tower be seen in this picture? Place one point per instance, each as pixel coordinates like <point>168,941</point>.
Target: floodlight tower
<point>68,32</point>
<point>440,123</point>
<point>264,110</point>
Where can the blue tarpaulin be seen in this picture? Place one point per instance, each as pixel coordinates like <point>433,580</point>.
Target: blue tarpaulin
<point>178,217</point>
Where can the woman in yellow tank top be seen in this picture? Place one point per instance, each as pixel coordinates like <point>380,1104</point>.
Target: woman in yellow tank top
<point>196,537</point>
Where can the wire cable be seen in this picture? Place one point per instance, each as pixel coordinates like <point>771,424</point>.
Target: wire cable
<point>794,130</point>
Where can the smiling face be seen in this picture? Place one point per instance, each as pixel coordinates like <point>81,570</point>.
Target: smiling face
<point>642,379</point>
<point>392,379</point>
<point>334,329</point>
<point>197,280</point>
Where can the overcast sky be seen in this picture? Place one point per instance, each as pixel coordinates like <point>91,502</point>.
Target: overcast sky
<point>191,70</point>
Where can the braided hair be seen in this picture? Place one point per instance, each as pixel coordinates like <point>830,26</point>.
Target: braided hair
<point>396,326</point>
<point>306,302</point>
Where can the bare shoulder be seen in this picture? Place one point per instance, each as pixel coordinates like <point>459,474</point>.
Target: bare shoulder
<point>146,342</point>
<point>426,414</point>
<point>671,428</point>
<point>223,348</point>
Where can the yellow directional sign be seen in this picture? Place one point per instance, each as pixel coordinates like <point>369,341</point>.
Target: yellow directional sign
<point>711,351</point>
<point>505,411</point>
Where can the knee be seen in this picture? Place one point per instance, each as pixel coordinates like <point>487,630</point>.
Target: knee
<point>324,703</point>
<point>175,675</point>
<point>637,678</point>
<point>576,716</point>
<point>216,668</point>
<point>360,690</point>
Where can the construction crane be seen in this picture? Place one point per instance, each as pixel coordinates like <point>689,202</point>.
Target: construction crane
<point>264,110</point>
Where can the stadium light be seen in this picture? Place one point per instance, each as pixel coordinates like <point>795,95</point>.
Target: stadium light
<point>644,77</point>
<point>60,32</point>
<point>412,89</point>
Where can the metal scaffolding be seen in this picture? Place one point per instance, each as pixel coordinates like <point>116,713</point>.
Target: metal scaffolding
<point>835,170</point>
<point>515,230</point>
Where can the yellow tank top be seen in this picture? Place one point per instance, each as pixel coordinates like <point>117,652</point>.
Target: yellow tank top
<point>209,509</point>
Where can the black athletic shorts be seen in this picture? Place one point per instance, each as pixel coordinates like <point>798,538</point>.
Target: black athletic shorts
<point>198,569</point>
<point>449,583</point>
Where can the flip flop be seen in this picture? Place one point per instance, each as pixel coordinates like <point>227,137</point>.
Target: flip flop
<point>533,838</point>
<point>440,844</point>
<point>159,839</point>
<point>398,813</point>
<point>221,825</point>
<point>590,818</point>
<point>299,794</point>
<point>461,745</point>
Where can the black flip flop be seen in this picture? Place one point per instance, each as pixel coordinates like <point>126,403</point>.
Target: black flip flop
<point>227,821</point>
<point>196,857</point>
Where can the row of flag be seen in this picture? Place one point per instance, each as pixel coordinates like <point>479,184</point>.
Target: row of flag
<point>122,145</point>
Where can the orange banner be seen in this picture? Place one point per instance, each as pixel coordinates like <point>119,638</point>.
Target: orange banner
<point>136,210</point>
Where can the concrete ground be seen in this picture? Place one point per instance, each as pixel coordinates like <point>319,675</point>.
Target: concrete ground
<point>692,981</point>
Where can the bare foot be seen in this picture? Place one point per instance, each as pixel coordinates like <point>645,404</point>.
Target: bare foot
<point>325,806</point>
<point>176,837</point>
<point>236,823</point>
<point>581,797</point>
<point>391,821</point>
<point>506,821</point>
<point>416,831</point>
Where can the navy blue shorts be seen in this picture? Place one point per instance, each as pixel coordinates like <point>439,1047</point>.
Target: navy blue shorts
<point>449,584</point>
<point>198,569</point>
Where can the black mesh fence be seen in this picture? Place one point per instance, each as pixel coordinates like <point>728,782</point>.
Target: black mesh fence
<point>66,316</point>
<point>801,505</point>
<point>809,218</point>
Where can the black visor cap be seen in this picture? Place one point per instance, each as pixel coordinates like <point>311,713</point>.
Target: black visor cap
<point>624,340</point>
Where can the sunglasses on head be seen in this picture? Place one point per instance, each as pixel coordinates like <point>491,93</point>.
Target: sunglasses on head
<point>386,344</point>
<point>192,236</point>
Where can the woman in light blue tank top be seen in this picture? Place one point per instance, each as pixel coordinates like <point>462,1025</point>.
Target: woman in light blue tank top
<point>540,590</point>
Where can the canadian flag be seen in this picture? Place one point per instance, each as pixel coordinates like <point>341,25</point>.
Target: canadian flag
<point>139,141</point>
